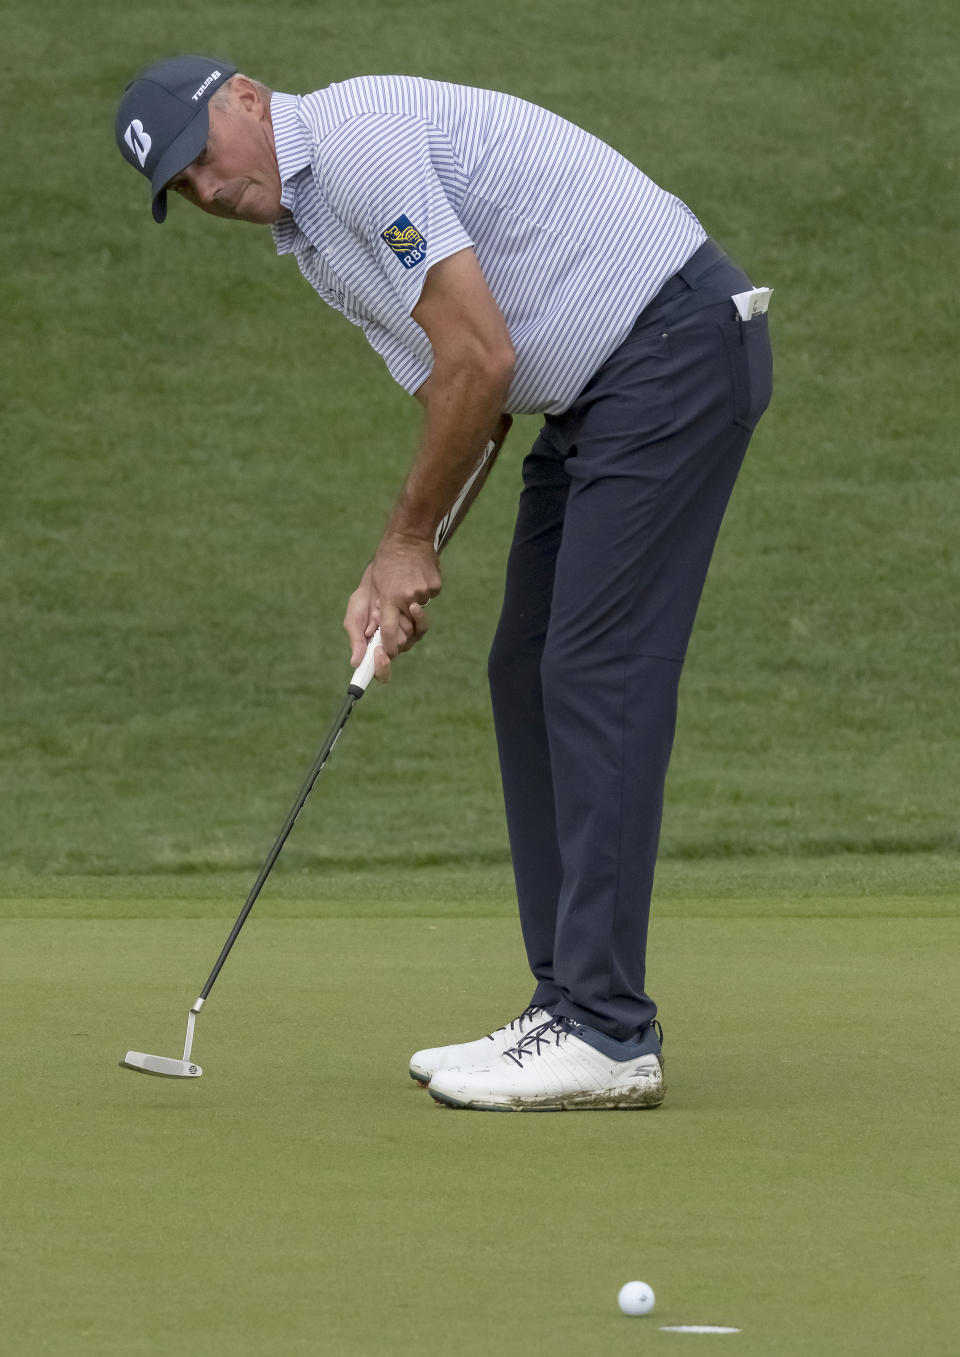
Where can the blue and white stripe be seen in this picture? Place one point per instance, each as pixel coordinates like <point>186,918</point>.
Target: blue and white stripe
<point>572,238</point>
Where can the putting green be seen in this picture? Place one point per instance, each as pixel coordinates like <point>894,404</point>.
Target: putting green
<point>306,1197</point>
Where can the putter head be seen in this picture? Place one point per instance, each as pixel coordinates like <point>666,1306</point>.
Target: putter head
<point>163,1065</point>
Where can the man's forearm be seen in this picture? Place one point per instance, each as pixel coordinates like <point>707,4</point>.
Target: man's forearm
<point>463,407</point>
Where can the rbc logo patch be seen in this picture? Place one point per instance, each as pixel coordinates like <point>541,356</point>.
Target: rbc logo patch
<point>406,242</point>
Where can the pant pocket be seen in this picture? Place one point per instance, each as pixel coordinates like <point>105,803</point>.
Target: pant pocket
<point>751,368</point>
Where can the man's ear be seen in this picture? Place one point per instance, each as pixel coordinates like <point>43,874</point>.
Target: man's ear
<point>248,95</point>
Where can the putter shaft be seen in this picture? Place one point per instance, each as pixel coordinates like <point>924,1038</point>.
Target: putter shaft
<point>354,693</point>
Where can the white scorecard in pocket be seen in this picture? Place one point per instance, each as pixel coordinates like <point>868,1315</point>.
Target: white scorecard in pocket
<point>752,303</point>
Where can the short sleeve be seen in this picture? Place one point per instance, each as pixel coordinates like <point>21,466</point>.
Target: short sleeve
<point>390,179</point>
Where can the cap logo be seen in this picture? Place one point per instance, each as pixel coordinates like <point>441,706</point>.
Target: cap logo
<point>206,85</point>
<point>138,141</point>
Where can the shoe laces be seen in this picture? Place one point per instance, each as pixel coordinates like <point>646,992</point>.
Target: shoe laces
<point>517,1022</point>
<point>548,1034</point>
<point>537,1040</point>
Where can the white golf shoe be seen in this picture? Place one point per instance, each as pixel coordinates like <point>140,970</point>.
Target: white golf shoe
<point>553,1069</point>
<point>425,1064</point>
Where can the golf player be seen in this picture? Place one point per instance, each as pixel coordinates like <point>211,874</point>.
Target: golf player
<point>502,260</point>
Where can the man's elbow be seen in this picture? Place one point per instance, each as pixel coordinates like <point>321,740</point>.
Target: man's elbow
<point>503,365</point>
<point>494,364</point>
<point>482,363</point>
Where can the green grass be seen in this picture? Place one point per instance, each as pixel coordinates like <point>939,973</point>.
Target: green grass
<point>918,884</point>
<point>201,454</point>
<point>304,1196</point>
<point>198,458</point>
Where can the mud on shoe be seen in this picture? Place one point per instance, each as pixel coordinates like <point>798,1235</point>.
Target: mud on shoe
<point>560,1066</point>
<point>425,1064</point>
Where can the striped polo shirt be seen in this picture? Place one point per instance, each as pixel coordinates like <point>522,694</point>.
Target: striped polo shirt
<point>386,175</point>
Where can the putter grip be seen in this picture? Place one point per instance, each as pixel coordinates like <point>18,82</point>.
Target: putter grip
<point>364,670</point>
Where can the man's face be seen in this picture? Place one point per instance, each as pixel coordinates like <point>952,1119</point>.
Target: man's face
<point>236,174</point>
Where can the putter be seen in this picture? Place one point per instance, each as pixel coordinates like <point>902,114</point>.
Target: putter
<point>168,1067</point>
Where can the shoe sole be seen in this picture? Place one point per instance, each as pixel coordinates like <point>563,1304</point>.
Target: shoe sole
<point>628,1100</point>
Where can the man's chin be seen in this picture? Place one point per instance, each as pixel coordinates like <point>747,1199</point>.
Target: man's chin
<point>259,214</point>
<point>262,218</point>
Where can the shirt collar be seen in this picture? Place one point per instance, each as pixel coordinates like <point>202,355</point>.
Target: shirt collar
<point>293,156</point>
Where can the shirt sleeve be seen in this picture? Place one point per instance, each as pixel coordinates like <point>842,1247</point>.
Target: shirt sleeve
<point>389,179</point>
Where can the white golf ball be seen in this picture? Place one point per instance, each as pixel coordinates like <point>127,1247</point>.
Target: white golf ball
<point>635,1298</point>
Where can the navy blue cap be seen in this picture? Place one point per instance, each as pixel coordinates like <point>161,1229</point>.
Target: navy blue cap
<point>163,119</point>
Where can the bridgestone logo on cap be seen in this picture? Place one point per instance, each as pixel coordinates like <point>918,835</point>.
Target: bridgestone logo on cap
<point>206,85</point>
<point>138,140</point>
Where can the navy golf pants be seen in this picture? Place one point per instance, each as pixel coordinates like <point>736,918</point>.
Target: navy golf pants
<point>622,500</point>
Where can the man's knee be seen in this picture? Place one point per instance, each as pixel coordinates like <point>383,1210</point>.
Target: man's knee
<point>564,674</point>
<point>596,683</point>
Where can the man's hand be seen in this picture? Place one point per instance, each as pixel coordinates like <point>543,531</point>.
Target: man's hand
<point>362,617</point>
<point>392,595</point>
<point>404,576</point>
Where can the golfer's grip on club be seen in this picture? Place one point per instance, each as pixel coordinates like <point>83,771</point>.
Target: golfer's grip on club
<point>445,529</point>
